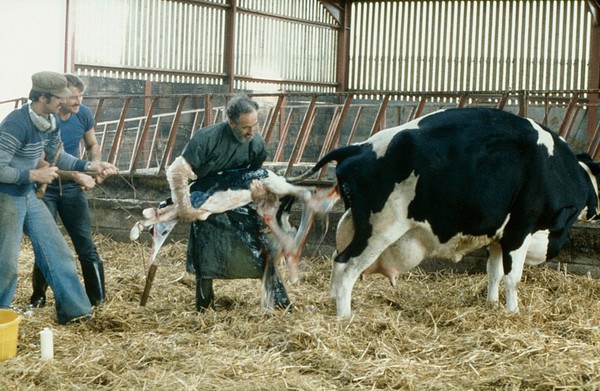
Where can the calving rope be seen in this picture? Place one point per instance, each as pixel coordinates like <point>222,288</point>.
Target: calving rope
<point>156,261</point>
<point>116,200</point>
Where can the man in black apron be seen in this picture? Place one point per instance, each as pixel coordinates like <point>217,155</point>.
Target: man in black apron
<point>231,244</point>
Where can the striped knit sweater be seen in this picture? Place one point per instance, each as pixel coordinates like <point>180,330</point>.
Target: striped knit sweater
<point>21,146</point>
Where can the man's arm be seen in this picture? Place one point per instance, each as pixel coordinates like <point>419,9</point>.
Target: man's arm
<point>86,182</point>
<point>93,152</point>
<point>92,148</point>
<point>91,145</point>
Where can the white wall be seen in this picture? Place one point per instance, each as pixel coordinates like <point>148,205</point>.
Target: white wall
<point>32,39</point>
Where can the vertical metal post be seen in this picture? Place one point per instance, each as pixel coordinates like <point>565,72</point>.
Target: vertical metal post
<point>230,39</point>
<point>114,151</point>
<point>283,137</point>
<point>594,75</point>
<point>502,101</point>
<point>147,93</point>
<point>144,136</point>
<point>172,136</point>
<point>337,131</point>
<point>98,109</point>
<point>568,115</point>
<point>343,48</point>
<point>304,130</point>
<point>272,119</point>
<point>381,115</point>
<point>523,103</point>
<point>208,107</point>
<point>66,64</point>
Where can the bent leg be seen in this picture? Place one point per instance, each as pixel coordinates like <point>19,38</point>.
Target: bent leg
<point>55,260</point>
<point>12,214</point>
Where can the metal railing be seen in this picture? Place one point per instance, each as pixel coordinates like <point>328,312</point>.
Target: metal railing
<point>301,128</point>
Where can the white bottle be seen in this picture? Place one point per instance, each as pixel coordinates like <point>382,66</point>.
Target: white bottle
<point>47,344</point>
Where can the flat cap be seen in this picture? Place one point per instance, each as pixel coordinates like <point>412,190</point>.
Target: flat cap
<point>50,82</point>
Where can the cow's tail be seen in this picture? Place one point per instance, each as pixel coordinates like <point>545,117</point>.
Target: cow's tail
<point>338,154</point>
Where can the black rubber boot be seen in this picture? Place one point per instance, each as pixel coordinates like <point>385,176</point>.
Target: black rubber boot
<point>93,278</point>
<point>205,296</point>
<point>38,298</point>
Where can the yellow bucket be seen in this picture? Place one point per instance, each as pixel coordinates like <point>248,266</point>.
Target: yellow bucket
<point>9,333</point>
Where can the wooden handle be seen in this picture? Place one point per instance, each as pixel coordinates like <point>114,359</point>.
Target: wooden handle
<point>149,280</point>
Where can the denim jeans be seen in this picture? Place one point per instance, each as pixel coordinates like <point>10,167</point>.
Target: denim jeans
<point>71,204</point>
<point>53,256</point>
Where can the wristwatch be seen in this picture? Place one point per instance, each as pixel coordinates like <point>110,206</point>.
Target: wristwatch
<point>88,166</point>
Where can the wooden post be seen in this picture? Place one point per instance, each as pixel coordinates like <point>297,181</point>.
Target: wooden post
<point>229,52</point>
<point>594,75</point>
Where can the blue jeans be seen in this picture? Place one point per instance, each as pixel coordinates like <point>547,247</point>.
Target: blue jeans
<point>53,256</point>
<point>71,204</point>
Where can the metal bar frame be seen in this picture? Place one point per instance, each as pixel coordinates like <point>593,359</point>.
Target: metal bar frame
<point>172,136</point>
<point>114,151</point>
<point>298,145</point>
<point>144,136</point>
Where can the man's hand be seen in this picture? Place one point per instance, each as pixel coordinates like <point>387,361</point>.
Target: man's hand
<point>99,179</point>
<point>43,175</point>
<point>104,169</point>
<point>85,181</point>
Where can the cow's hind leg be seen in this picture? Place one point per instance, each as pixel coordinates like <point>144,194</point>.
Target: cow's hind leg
<point>343,237</point>
<point>513,268</point>
<point>495,272</point>
<point>337,271</point>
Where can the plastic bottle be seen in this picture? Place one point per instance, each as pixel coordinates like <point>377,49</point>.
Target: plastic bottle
<point>47,344</point>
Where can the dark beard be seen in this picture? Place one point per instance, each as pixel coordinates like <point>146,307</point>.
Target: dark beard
<point>241,139</point>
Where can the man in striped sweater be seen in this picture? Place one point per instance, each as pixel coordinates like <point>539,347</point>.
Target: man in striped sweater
<point>27,134</point>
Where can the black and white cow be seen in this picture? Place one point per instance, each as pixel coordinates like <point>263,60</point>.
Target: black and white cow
<point>452,182</point>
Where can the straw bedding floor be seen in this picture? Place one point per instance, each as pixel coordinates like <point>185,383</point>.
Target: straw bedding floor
<point>432,332</point>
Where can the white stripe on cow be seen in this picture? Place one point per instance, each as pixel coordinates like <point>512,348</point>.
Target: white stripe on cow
<point>381,140</point>
<point>544,137</point>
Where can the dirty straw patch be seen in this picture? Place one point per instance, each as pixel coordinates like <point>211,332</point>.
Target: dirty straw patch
<point>434,331</point>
